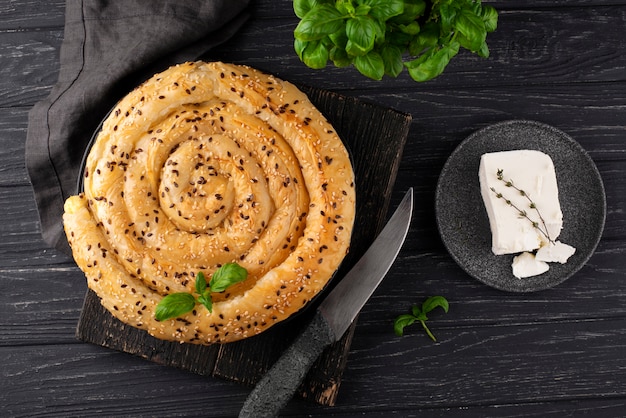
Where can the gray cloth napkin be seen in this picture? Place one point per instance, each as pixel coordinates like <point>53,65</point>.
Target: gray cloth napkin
<point>109,47</point>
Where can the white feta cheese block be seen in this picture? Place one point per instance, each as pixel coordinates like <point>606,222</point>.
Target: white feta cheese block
<point>533,172</point>
<point>527,265</point>
<point>555,253</point>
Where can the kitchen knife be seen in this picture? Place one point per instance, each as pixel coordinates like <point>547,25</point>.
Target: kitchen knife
<point>332,318</point>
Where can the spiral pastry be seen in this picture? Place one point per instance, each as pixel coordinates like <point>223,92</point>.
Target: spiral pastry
<point>205,164</point>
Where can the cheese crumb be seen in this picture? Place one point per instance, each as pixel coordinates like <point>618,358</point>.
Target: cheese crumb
<point>555,253</point>
<point>527,265</point>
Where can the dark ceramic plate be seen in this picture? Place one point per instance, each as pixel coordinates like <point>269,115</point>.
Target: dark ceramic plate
<point>462,218</point>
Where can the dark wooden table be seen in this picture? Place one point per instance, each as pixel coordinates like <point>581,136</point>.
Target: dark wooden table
<point>552,353</point>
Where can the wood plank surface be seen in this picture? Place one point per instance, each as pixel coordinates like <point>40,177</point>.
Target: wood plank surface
<point>560,352</point>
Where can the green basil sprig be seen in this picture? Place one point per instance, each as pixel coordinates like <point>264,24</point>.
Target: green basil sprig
<point>419,314</point>
<point>382,37</point>
<point>177,304</point>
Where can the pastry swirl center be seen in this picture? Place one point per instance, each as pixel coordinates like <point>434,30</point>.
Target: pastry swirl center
<point>197,190</point>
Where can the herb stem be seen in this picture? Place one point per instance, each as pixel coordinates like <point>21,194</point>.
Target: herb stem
<point>522,213</point>
<point>430,334</point>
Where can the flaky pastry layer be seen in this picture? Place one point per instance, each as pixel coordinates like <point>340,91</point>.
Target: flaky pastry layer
<point>204,164</point>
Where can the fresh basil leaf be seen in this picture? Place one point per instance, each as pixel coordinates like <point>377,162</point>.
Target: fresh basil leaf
<point>474,6</point>
<point>315,55</point>
<point>345,6</point>
<point>299,46</point>
<point>383,10</point>
<point>413,9</point>
<point>483,52</point>
<point>427,37</point>
<point>339,57</point>
<point>302,7</point>
<point>206,301</point>
<point>432,64</point>
<point>419,314</point>
<point>399,39</point>
<point>227,275</point>
<point>464,41</point>
<point>362,10</point>
<point>339,38</point>
<point>173,305</point>
<point>200,283</point>
<point>370,65</point>
<point>401,322</point>
<point>362,32</point>
<point>490,18</point>
<point>416,66</point>
<point>319,22</point>
<point>433,302</point>
<point>392,58</point>
<point>451,50</point>
<point>447,14</point>
<point>472,27</point>
<point>412,28</point>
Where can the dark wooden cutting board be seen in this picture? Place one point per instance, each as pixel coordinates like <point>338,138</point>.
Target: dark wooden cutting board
<point>375,137</point>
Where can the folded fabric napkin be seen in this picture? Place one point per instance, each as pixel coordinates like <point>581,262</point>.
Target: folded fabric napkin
<point>109,47</point>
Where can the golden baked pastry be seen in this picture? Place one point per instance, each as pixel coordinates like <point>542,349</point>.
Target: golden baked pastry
<point>205,164</point>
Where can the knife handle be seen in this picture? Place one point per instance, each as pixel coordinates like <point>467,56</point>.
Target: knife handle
<point>279,384</point>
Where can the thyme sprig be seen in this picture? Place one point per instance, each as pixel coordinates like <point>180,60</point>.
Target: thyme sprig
<point>522,212</point>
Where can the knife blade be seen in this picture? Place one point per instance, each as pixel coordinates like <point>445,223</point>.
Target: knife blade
<point>332,318</point>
